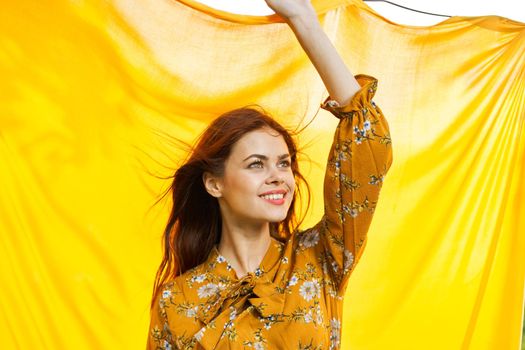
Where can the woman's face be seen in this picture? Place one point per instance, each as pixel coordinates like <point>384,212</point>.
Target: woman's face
<point>258,182</point>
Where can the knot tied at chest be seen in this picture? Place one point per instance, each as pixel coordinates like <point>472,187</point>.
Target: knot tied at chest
<point>227,301</point>
<point>258,292</point>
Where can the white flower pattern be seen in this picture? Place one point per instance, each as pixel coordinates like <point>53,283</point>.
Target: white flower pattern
<point>310,290</point>
<point>310,239</point>
<point>200,333</point>
<point>192,312</point>
<point>348,259</point>
<point>208,290</point>
<point>293,281</point>
<point>199,279</point>
<point>335,333</point>
<point>259,346</point>
<point>308,317</point>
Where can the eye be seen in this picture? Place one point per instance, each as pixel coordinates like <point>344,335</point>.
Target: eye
<point>286,163</point>
<point>256,164</point>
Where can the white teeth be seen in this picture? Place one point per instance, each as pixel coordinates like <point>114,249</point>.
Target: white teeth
<point>273,196</point>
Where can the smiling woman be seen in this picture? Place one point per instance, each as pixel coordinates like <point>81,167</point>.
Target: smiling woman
<point>247,178</point>
<point>237,272</point>
<point>241,156</point>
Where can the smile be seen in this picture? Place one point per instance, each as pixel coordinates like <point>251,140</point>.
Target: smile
<point>274,198</point>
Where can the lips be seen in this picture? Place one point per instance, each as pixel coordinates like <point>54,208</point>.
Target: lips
<point>274,196</point>
<point>274,192</point>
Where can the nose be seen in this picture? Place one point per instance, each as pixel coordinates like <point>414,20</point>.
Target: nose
<point>275,176</point>
<point>275,180</point>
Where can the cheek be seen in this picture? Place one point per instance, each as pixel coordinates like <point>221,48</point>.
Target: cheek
<point>290,181</point>
<point>241,185</point>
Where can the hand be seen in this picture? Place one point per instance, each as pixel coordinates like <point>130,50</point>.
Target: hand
<point>290,9</point>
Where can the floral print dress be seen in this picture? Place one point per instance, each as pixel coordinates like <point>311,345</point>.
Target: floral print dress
<point>294,299</point>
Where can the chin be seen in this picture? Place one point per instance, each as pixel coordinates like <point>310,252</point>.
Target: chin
<point>276,218</point>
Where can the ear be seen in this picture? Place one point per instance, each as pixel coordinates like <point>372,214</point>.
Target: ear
<point>212,184</point>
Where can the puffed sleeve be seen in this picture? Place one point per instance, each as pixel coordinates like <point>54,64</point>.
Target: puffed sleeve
<point>359,159</point>
<point>160,335</point>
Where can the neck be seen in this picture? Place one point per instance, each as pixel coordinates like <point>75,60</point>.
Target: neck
<point>244,247</point>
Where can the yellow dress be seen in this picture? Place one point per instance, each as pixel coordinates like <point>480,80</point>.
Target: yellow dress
<point>294,299</point>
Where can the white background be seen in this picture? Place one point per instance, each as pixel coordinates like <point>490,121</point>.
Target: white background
<point>512,9</point>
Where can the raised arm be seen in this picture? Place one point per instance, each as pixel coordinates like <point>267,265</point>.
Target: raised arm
<point>302,19</point>
<point>361,152</point>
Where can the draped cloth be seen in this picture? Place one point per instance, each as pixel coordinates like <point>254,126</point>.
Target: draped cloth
<point>92,94</point>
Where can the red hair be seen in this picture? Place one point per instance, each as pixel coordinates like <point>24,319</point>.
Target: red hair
<point>187,238</point>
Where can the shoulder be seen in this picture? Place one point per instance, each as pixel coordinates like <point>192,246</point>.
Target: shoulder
<point>307,238</point>
<point>177,301</point>
<point>181,287</point>
<point>310,248</point>
<point>197,283</point>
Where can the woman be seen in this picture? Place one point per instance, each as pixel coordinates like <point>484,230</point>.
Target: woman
<point>236,273</point>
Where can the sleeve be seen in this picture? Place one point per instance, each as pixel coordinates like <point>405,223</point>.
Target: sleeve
<point>359,159</point>
<point>159,335</point>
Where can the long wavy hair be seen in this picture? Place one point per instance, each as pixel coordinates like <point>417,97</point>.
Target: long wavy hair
<point>194,224</point>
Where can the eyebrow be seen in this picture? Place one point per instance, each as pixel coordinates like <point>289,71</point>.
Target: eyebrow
<point>262,156</point>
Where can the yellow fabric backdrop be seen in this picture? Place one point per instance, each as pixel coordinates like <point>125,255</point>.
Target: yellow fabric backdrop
<point>91,92</point>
